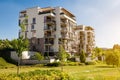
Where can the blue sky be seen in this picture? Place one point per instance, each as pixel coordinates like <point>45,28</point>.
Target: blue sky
<point>103,15</point>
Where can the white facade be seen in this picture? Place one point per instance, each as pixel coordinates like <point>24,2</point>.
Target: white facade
<point>48,28</point>
<point>25,55</point>
<point>87,38</point>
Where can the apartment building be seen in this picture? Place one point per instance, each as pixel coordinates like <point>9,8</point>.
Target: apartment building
<point>86,38</point>
<point>48,28</point>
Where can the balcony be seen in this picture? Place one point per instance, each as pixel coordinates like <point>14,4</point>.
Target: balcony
<point>64,30</point>
<point>48,13</point>
<point>49,36</point>
<point>51,28</point>
<point>64,16</point>
<point>22,15</point>
<point>65,36</point>
<point>49,42</point>
<point>50,22</point>
<point>49,50</point>
<point>63,23</point>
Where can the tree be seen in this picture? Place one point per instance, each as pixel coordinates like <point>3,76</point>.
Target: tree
<point>116,46</point>
<point>62,55</point>
<point>19,45</point>
<point>98,53</point>
<point>39,56</point>
<point>113,57</point>
<point>82,57</point>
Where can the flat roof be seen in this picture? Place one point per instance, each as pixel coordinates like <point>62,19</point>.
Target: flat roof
<point>67,12</point>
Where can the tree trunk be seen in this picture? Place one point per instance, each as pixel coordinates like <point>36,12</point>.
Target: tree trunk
<point>18,66</point>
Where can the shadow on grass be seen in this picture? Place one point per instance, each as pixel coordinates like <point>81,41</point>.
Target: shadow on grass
<point>105,67</point>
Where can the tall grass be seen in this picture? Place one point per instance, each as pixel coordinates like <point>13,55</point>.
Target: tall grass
<point>4,64</point>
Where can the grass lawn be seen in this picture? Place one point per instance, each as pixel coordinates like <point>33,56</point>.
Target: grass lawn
<point>90,72</point>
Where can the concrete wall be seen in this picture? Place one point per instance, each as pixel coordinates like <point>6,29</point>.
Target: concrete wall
<point>25,55</point>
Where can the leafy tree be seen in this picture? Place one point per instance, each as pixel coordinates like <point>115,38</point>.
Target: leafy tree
<point>98,52</point>
<point>19,45</point>
<point>39,56</point>
<point>113,57</point>
<point>62,55</point>
<point>82,56</point>
<point>116,46</point>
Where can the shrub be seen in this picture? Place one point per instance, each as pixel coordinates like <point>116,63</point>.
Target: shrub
<point>72,63</point>
<point>54,64</point>
<point>90,63</point>
<point>37,75</point>
<point>4,64</point>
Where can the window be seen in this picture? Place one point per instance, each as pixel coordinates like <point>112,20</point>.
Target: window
<point>32,27</point>
<point>34,20</point>
<point>38,41</point>
<point>19,22</point>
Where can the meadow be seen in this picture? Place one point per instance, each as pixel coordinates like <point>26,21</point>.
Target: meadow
<point>83,72</point>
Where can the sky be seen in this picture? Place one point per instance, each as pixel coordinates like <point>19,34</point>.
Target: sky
<point>102,15</point>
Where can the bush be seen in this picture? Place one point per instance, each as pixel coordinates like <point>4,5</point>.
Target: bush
<point>37,75</point>
<point>90,63</point>
<point>4,64</point>
<point>72,63</point>
<point>54,64</point>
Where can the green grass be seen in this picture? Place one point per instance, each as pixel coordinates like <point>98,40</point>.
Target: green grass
<point>89,72</point>
<point>4,64</point>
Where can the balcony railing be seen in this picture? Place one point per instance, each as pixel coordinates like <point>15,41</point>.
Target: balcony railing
<point>64,30</point>
<point>50,21</point>
<point>63,15</point>
<point>49,42</point>
<point>49,50</point>
<point>63,24</point>
<point>22,15</point>
<point>50,28</point>
<point>49,36</point>
<point>65,36</point>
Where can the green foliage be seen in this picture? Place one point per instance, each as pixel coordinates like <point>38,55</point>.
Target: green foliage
<point>97,52</point>
<point>39,56</point>
<point>37,75</point>
<point>5,45</point>
<point>82,57</point>
<point>116,46</point>
<point>20,45</point>
<point>113,57</point>
<point>54,64</point>
<point>22,24</point>
<point>90,63</point>
<point>72,64</point>
<point>62,55</point>
<point>4,64</point>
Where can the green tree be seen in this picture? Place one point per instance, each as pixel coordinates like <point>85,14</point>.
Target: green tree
<point>116,46</point>
<point>62,55</point>
<point>39,56</point>
<point>98,52</point>
<point>113,57</point>
<point>82,57</point>
<point>19,45</point>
